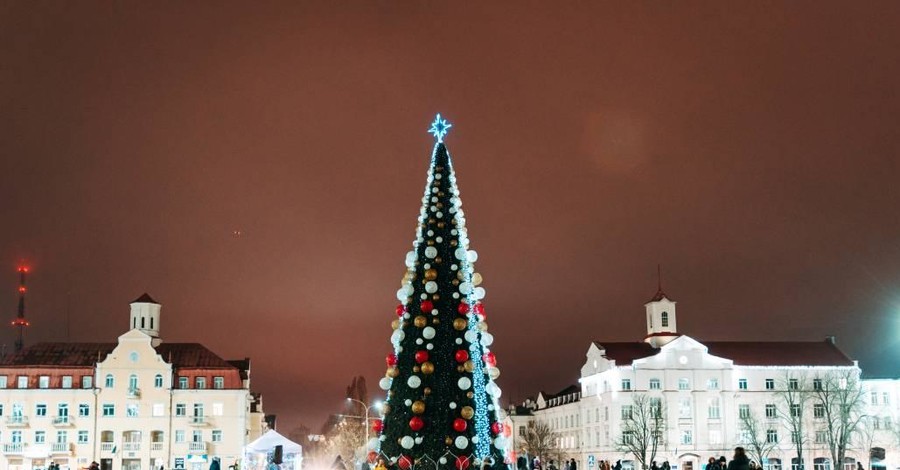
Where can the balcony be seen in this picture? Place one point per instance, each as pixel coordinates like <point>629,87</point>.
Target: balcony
<point>107,446</point>
<point>198,420</point>
<point>62,421</point>
<point>197,447</point>
<point>15,448</point>
<point>131,446</point>
<point>60,448</point>
<point>134,392</point>
<point>14,421</point>
<point>156,446</point>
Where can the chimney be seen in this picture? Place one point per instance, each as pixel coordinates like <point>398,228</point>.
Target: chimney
<point>830,339</point>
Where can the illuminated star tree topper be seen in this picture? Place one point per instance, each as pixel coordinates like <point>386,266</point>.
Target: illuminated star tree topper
<point>439,128</point>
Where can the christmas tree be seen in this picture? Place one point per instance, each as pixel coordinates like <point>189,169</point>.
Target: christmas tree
<point>441,409</point>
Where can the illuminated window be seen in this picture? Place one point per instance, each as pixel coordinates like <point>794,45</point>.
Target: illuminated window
<point>626,384</point>
<point>67,381</point>
<point>183,383</point>
<point>44,381</point>
<point>158,381</point>
<point>218,383</point>
<point>665,319</point>
<point>110,381</point>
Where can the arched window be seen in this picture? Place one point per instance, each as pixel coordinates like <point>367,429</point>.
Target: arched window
<point>665,319</point>
<point>110,381</point>
<point>132,382</point>
<point>158,381</point>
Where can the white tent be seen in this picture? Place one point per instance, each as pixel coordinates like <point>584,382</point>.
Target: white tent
<point>256,453</point>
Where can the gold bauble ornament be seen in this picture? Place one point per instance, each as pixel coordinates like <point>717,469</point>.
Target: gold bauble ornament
<point>438,260</point>
<point>427,368</point>
<point>418,407</point>
<point>455,282</point>
<point>460,369</point>
<point>459,324</point>
<point>385,408</point>
<point>431,221</point>
<point>460,275</point>
<point>448,441</point>
<point>427,391</point>
<point>467,412</point>
<point>482,326</point>
<point>469,366</point>
<point>392,372</point>
<point>453,243</point>
<point>420,321</point>
<point>436,297</point>
<point>494,372</point>
<point>470,395</point>
<point>441,225</point>
<point>440,205</point>
<point>430,242</point>
<point>395,324</point>
<point>476,279</point>
<point>416,369</point>
<point>435,321</point>
<point>431,274</point>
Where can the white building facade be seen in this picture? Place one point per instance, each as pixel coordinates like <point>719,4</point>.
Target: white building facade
<point>135,404</point>
<point>708,391</point>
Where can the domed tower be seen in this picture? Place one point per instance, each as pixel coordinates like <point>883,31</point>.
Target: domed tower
<point>145,317</point>
<point>661,319</point>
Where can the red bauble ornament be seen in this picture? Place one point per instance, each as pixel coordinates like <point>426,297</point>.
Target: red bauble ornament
<point>404,462</point>
<point>461,356</point>
<point>391,359</point>
<point>401,309</point>
<point>426,306</point>
<point>478,308</point>
<point>463,308</point>
<point>497,427</point>
<point>490,358</point>
<point>421,356</point>
<point>462,462</point>
<point>378,426</point>
<point>460,425</point>
<point>416,423</point>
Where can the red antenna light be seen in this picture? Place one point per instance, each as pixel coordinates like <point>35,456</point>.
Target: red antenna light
<point>20,322</point>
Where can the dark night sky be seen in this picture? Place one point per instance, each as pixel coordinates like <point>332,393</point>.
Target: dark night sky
<point>750,148</point>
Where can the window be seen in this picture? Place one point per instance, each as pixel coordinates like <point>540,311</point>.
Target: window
<point>771,411</point>
<point>795,438</point>
<point>715,437</point>
<point>132,382</point>
<point>40,437</point>
<point>217,435</point>
<point>218,409</point>
<point>745,437</point>
<point>87,381</point>
<point>16,437</point>
<point>2,381</point>
<point>67,381</point>
<point>62,410</point>
<point>197,436</point>
<point>84,410</point>
<point>770,384</point>
<point>180,409</point>
<point>198,409</point>
<point>62,437</point>
<point>110,381</point>
<point>82,437</point>
<point>793,384</point>
<point>218,383</point>
<point>685,409</point>
<point>158,381</point>
<point>654,384</point>
<point>664,319</point>
<point>684,384</point>
<point>183,383</point>
<point>817,384</point>
<point>714,409</point>
<point>742,384</point>
<point>628,437</point>
<point>23,381</point>
<point>818,411</point>
<point>821,437</point>
<point>44,381</point>
<point>40,409</point>
<point>626,412</point>
<point>179,436</point>
<point>159,409</point>
<point>200,383</point>
<point>626,384</point>
<point>656,407</point>
<point>743,411</point>
<point>1,409</point>
<point>687,437</point>
<point>109,409</point>
<point>772,436</point>
<point>886,419</point>
<point>885,398</point>
<point>131,410</point>
<point>712,384</point>
<point>795,410</point>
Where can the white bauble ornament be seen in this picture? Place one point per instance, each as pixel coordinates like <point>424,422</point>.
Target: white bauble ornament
<point>428,332</point>
<point>465,288</point>
<point>374,444</point>
<point>439,239</point>
<point>401,294</point>
<point>461,442</point>
<point>458,340</point>
<point>414,381</point>
<point>452,405</point>
<point>423,296</point>
<point>474,439</point>
<point>411,259</point>
<point>470,336</point>
<point>431,233</point>
<point>418,440</point>
<point>407,442</point>
<point>464,383</point>
<point>385,383</point>
<point>397,336</point>
<point>442,460</point>
<point>486,339</point>
<point>500,442</point>
<point>431,252</point>
<point>419,341</point>
<point>460,253</point>
<point>382,438</point>
<point>456,295</point>
<point>429,346</point>
<point>407,402</point>
<point>472,256</point>
<point>431,287</point>
<point>478,293</point>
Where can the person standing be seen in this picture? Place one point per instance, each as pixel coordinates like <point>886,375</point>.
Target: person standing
<point>573,465</point>
<point>740,460</point>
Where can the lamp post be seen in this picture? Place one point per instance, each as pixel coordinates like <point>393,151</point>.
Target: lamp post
<point>366,407</point>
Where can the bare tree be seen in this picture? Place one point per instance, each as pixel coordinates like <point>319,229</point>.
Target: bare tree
<point>795,395</point>
<point>755,437</point>
<point>842,399</point>
<point>642,429</point>
<point>540,440</point>
<point>866,436</point>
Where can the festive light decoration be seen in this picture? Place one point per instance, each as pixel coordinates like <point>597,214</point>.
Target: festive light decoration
<point>439,128</point>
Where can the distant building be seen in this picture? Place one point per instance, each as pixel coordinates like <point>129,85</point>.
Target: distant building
<point>707,389</point>
<point>132,405</point>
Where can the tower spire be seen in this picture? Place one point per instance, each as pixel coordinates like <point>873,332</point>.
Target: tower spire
<point>20,322</point>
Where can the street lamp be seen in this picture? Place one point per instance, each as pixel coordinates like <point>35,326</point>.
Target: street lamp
<point>375,405</point>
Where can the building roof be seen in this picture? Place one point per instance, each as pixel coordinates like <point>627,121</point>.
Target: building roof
<point>180,355</point>
<point>660,295</point>
<point>743,353</point>
<point>145,298</point>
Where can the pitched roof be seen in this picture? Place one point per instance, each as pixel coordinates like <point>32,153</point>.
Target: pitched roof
<point>181,355</point>
<point>743,353</point>
<point>145,298</point>
<point>660,295</point>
